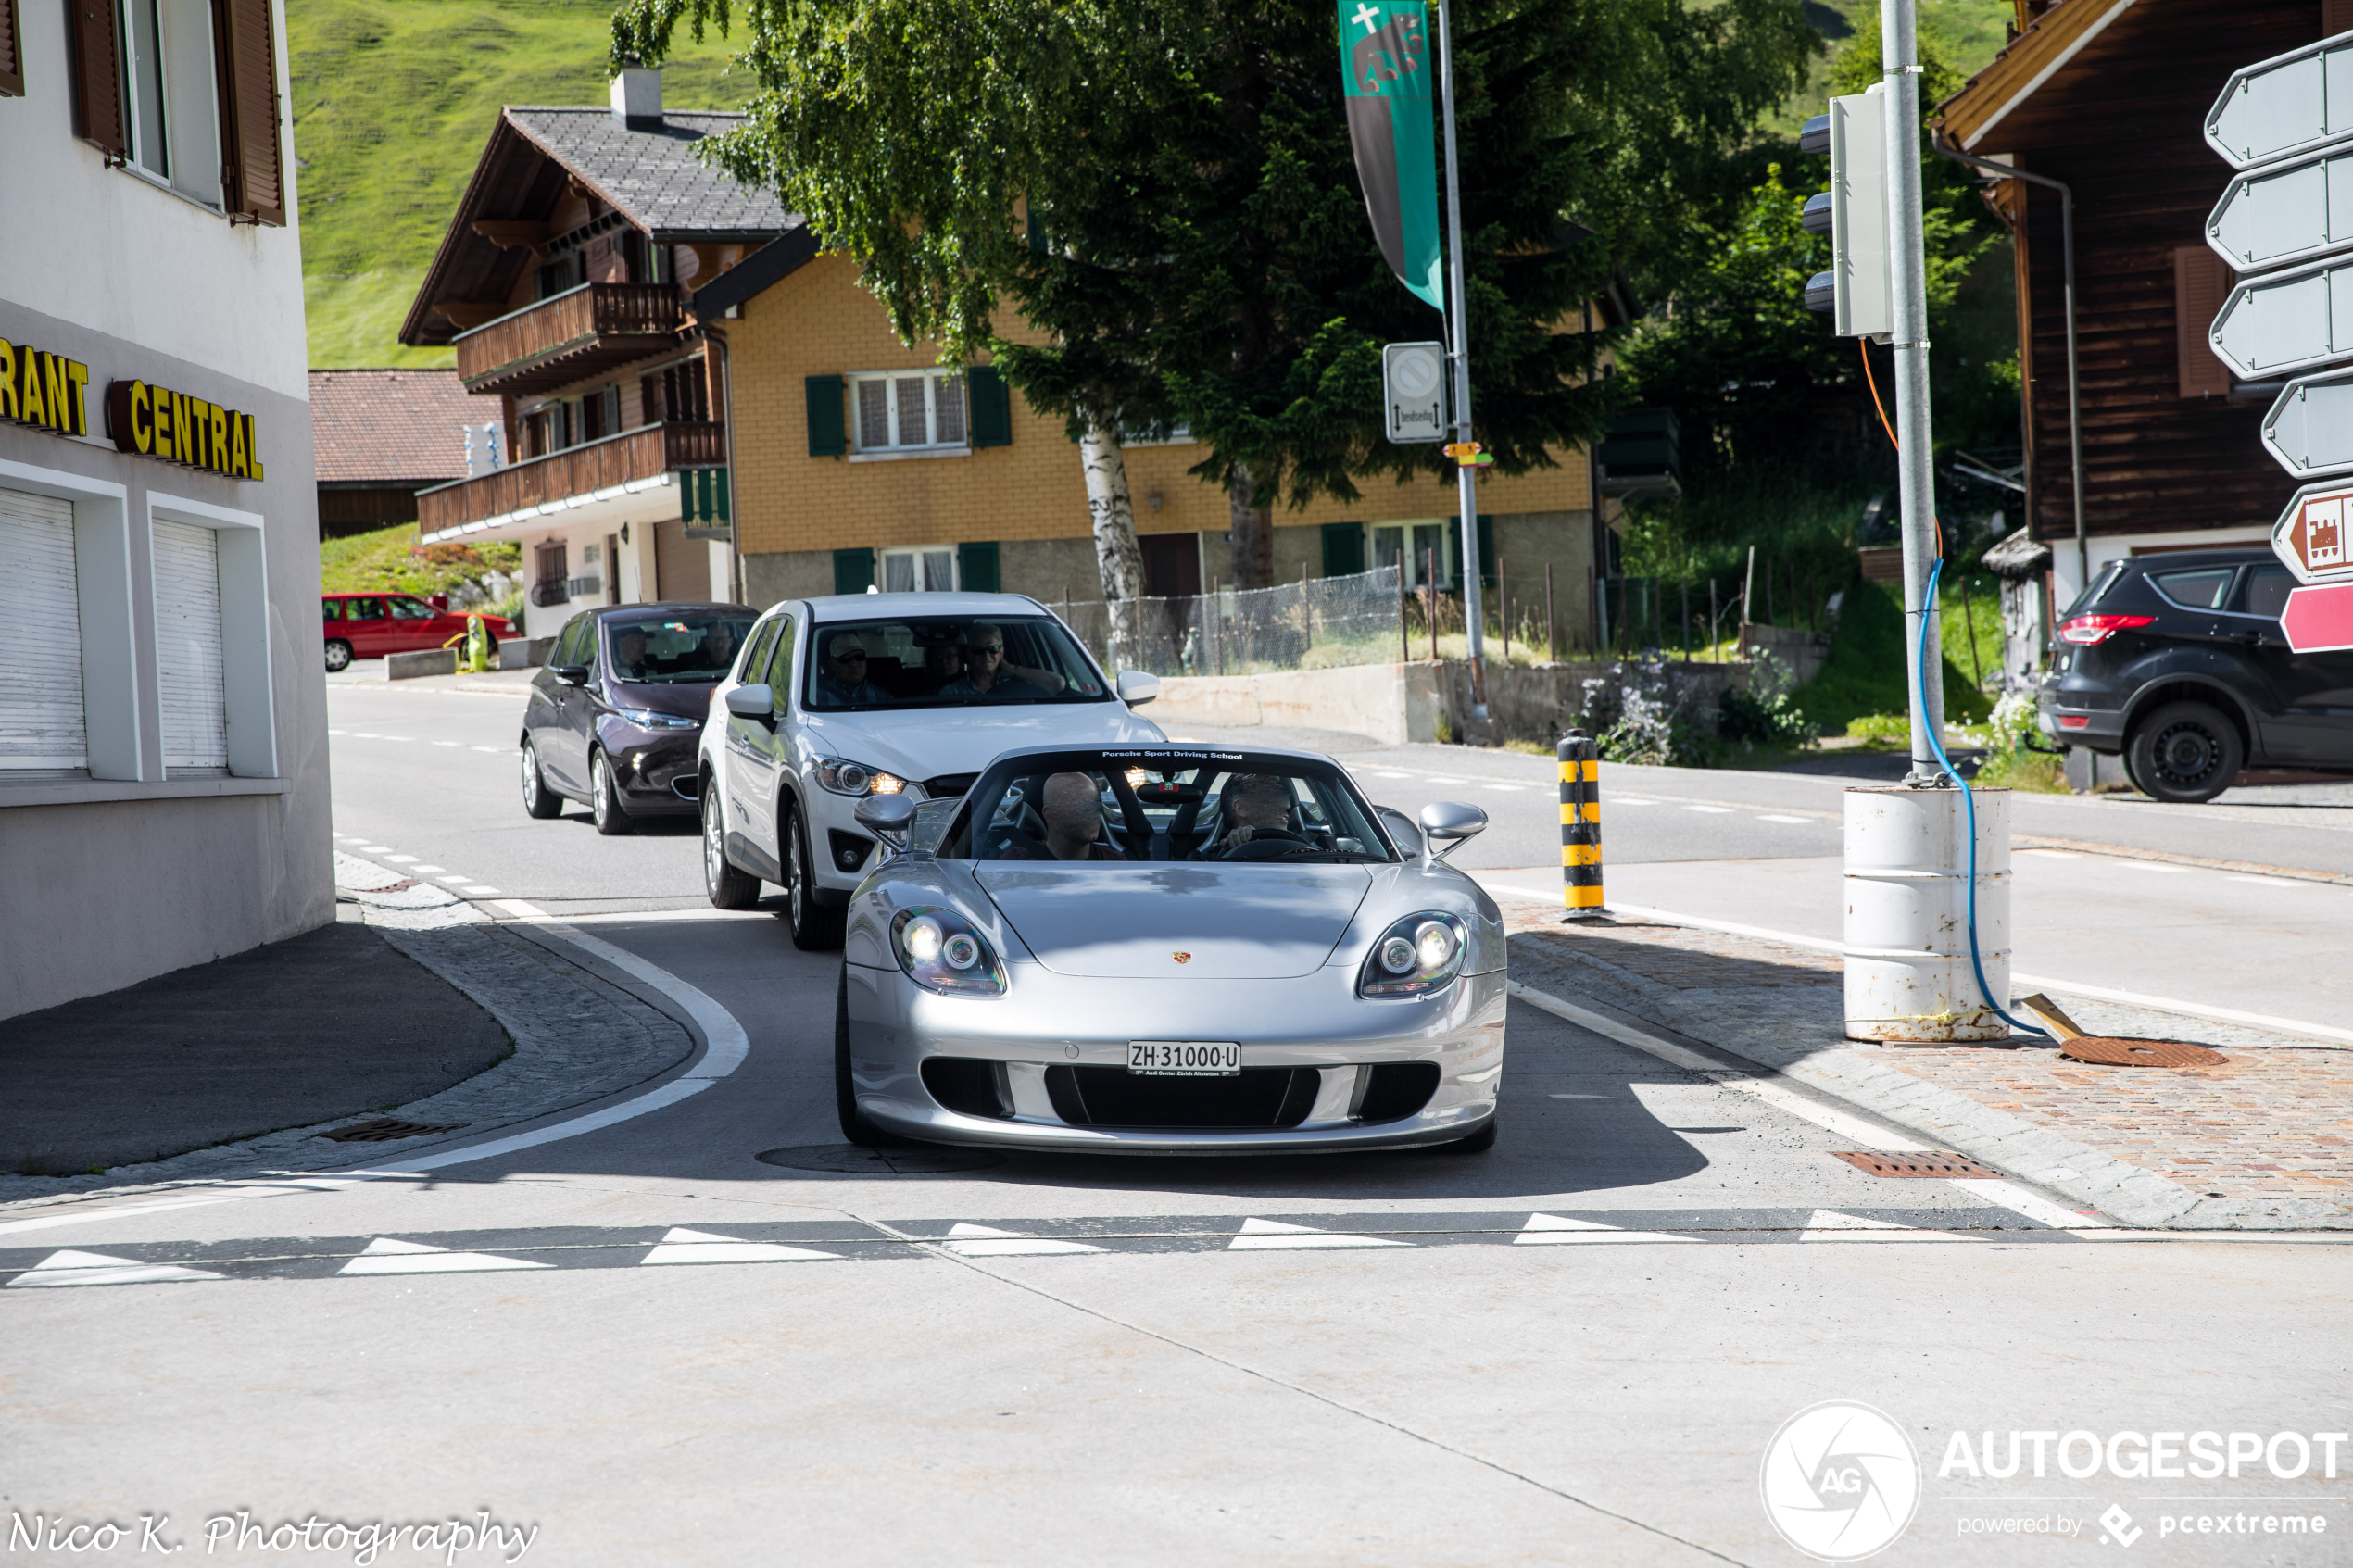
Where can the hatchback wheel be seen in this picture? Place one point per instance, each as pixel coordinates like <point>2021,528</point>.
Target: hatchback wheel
<point>604,797</point>
<point>815,929</point>
<point>338,654</point>
<point>538,800</point>
<point>2186,752</point>
<point>729,886</point>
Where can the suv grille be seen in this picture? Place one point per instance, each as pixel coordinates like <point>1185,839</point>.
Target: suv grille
<point>948,786</point>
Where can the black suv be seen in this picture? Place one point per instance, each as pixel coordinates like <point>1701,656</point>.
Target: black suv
<point>2177,662</point>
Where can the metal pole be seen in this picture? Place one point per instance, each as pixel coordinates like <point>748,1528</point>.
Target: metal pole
<point>1458,321</point>
<point>1916,478</point>
<point>1429,589</point>
<point>1404,643</point>
<point>1503,605</point>
<point>1687,620</point>
<point>1552,621</point>
<point>2074,383</point>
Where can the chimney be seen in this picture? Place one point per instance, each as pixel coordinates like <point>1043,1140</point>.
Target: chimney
<point>637,97</point>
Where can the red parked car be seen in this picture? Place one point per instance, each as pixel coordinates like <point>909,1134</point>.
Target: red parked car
<point>372,625</point>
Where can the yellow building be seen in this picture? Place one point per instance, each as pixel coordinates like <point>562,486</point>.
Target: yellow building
<point>682,366</point>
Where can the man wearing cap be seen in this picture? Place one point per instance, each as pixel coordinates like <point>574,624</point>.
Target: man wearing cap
<point>842,682</point>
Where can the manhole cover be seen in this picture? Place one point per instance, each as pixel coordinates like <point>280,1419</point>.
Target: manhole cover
<point>2110,1051</point>
<point>384,1129</point>
<point>1948,1167</point>
<point>849,1160</point>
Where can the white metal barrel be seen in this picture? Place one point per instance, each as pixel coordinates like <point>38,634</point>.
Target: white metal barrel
<point>1909,975</point>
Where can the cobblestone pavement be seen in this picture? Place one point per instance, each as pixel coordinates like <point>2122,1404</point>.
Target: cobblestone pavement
<point>2262,1142</point>
<point>577,1037</point>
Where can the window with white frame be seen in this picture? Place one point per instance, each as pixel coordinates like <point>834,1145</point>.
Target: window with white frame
<point>173,110</point>
<point>908,411</point>
<point>188,649</point>
<point>41,725</point>
<point>930,569</point>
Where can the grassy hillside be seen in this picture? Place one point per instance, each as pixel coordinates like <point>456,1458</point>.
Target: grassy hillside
<point>392,101</point>
<point>1972,30</point>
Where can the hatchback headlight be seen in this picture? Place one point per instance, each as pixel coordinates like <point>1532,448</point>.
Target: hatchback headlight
<point>856,778</point>
<point>940,951</point>
<point>646,719</point>
<point>1414,957</point>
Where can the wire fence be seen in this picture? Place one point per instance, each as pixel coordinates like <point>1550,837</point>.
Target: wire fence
<point>1318,623</point>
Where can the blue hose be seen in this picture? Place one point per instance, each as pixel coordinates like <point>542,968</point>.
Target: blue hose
<point>1968,801</point>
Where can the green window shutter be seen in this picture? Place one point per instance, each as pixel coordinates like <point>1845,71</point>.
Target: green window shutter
<point>1486,551</point>
<point>829,431</point>
<point>1343,549</point>
<point>976,566</point>
<point>853,571</point>
<point>992,408</point>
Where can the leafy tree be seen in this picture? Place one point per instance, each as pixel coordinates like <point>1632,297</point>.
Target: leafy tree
<point>1200,251</point>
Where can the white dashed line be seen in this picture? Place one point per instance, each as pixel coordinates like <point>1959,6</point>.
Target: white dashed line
<point>375,849</point>
<point>1634,800</point>
<point>401,860</point>
<point>493,751</point>
<point>460,744</point>
<point>1392,775</point>
<point>457,879</point>
<point>1508,789</point>
<point>338,732</point>
<point>1800,821</point>
<point>479,892</point>
<point>429,870</point>
<point>2052,854</point>
<point>2270,881</point>
<point>1711,810</point>
<point>2152,865</point>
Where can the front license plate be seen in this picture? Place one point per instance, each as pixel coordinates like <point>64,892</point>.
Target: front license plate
<point>1184,1059</point>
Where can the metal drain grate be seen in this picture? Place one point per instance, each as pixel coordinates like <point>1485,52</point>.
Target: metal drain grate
<point>1948,1167</point>
<point>2110,1051</point>
<point>384,1129</point>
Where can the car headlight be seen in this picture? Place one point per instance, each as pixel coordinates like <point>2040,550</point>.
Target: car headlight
<point>940,951</point>
<point>1414,957</point>
<point>856,778</point>
<point>646,719</point>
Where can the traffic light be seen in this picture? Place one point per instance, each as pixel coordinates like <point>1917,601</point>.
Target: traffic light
<point>1857,289</point>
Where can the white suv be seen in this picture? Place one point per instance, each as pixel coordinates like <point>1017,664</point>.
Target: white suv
<point>834,699</point>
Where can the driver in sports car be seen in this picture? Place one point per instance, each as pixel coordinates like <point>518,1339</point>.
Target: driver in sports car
<point>1258,812</point>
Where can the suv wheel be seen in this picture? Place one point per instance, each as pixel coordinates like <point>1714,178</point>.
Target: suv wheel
<point>2184,752</point>
<point>815,929</point>
<point>604,797</point>
<point>338,655</point>
<point>538,800</point>
<point>729,886</point>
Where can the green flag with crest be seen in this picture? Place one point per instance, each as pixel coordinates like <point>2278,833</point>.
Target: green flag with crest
<point>1385,57</point>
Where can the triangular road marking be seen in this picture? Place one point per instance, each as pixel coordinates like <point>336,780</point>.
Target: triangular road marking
<point>1553,1230</point>
<point>981,1241</point>
<point>1273,1236</point>
<point>385,1256</point>
<point>683,1245</point>
<point>69,1267</point>
<point>1829,1224</point>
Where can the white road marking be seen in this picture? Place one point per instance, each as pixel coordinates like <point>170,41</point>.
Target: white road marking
<point>1801,821</point>
<point>2272,881</point>
<point>985,1241</point>
<point>385,1256</point>
<point>99,1268</point>
<point>2154,866</point>
<point>1273,1236</point>
<point>456,877</point>
<point>2052,854</point>
<point>1711,810</point>
<point>81,1216</point>
<point>375,849</point>
<point>1552,1230</point>
<point>1508,789</point>
<point>456,743</point>
<point>682,1246</point>
<point>429,870</point>
<point>338,732</point>
<point>1391,773</point>
<point>479,892</point>
<point>1829,1224</point>
<point>402,859</point>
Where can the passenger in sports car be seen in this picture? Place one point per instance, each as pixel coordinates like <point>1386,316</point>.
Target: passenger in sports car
<point>1258,810</point>
<point>1073,822</point>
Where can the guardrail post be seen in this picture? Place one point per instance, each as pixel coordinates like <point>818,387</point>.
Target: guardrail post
<point>1580,756</point>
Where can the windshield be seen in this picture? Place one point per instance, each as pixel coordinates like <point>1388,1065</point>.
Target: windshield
<point>947,662</point>
<point>681,648</point>
<point>1128,806</point>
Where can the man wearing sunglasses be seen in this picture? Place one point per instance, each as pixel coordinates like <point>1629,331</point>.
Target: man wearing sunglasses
<point>988,675</point>
<point>843,679</point>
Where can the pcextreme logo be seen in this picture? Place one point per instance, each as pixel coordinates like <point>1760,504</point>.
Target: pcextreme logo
<point>1840,1481</point>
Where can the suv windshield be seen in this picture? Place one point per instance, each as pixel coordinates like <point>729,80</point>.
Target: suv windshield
<point>947,662</point>
<point>1124,807</point>
<point>690,646</point>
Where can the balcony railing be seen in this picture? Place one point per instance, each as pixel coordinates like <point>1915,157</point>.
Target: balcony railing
<point>578,471</point>
<point>570,337</point>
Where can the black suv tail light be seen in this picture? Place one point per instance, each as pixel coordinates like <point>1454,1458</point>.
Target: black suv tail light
<point>2087,630</point>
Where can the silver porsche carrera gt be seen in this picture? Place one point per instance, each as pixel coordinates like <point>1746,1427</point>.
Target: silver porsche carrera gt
<point>1169,950</point>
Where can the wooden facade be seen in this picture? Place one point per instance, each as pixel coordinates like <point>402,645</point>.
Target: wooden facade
<point>2111,99</point>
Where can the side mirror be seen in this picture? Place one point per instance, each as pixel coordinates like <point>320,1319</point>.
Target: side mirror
<point>1135,688</point>
<point>570,674</point>
<point>888,817</point>
<point>755,701</point>
<point>1449,822</point>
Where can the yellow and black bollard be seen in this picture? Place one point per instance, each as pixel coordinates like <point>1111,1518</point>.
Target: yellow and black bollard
<point>1580,826</point>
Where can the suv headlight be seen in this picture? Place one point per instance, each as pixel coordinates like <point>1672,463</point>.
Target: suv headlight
<point>940,951</point>
<point>1414,957</point>
<point>856,778</point>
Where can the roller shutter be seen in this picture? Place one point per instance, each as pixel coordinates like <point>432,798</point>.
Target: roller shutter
<point>195,730</point>
<point>41,724</point>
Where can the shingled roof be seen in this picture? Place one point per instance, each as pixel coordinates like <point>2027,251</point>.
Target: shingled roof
<point>653,174</point>
<point>393,427</point>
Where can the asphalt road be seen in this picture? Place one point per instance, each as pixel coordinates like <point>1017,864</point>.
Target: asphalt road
<point>1148,1368</point>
